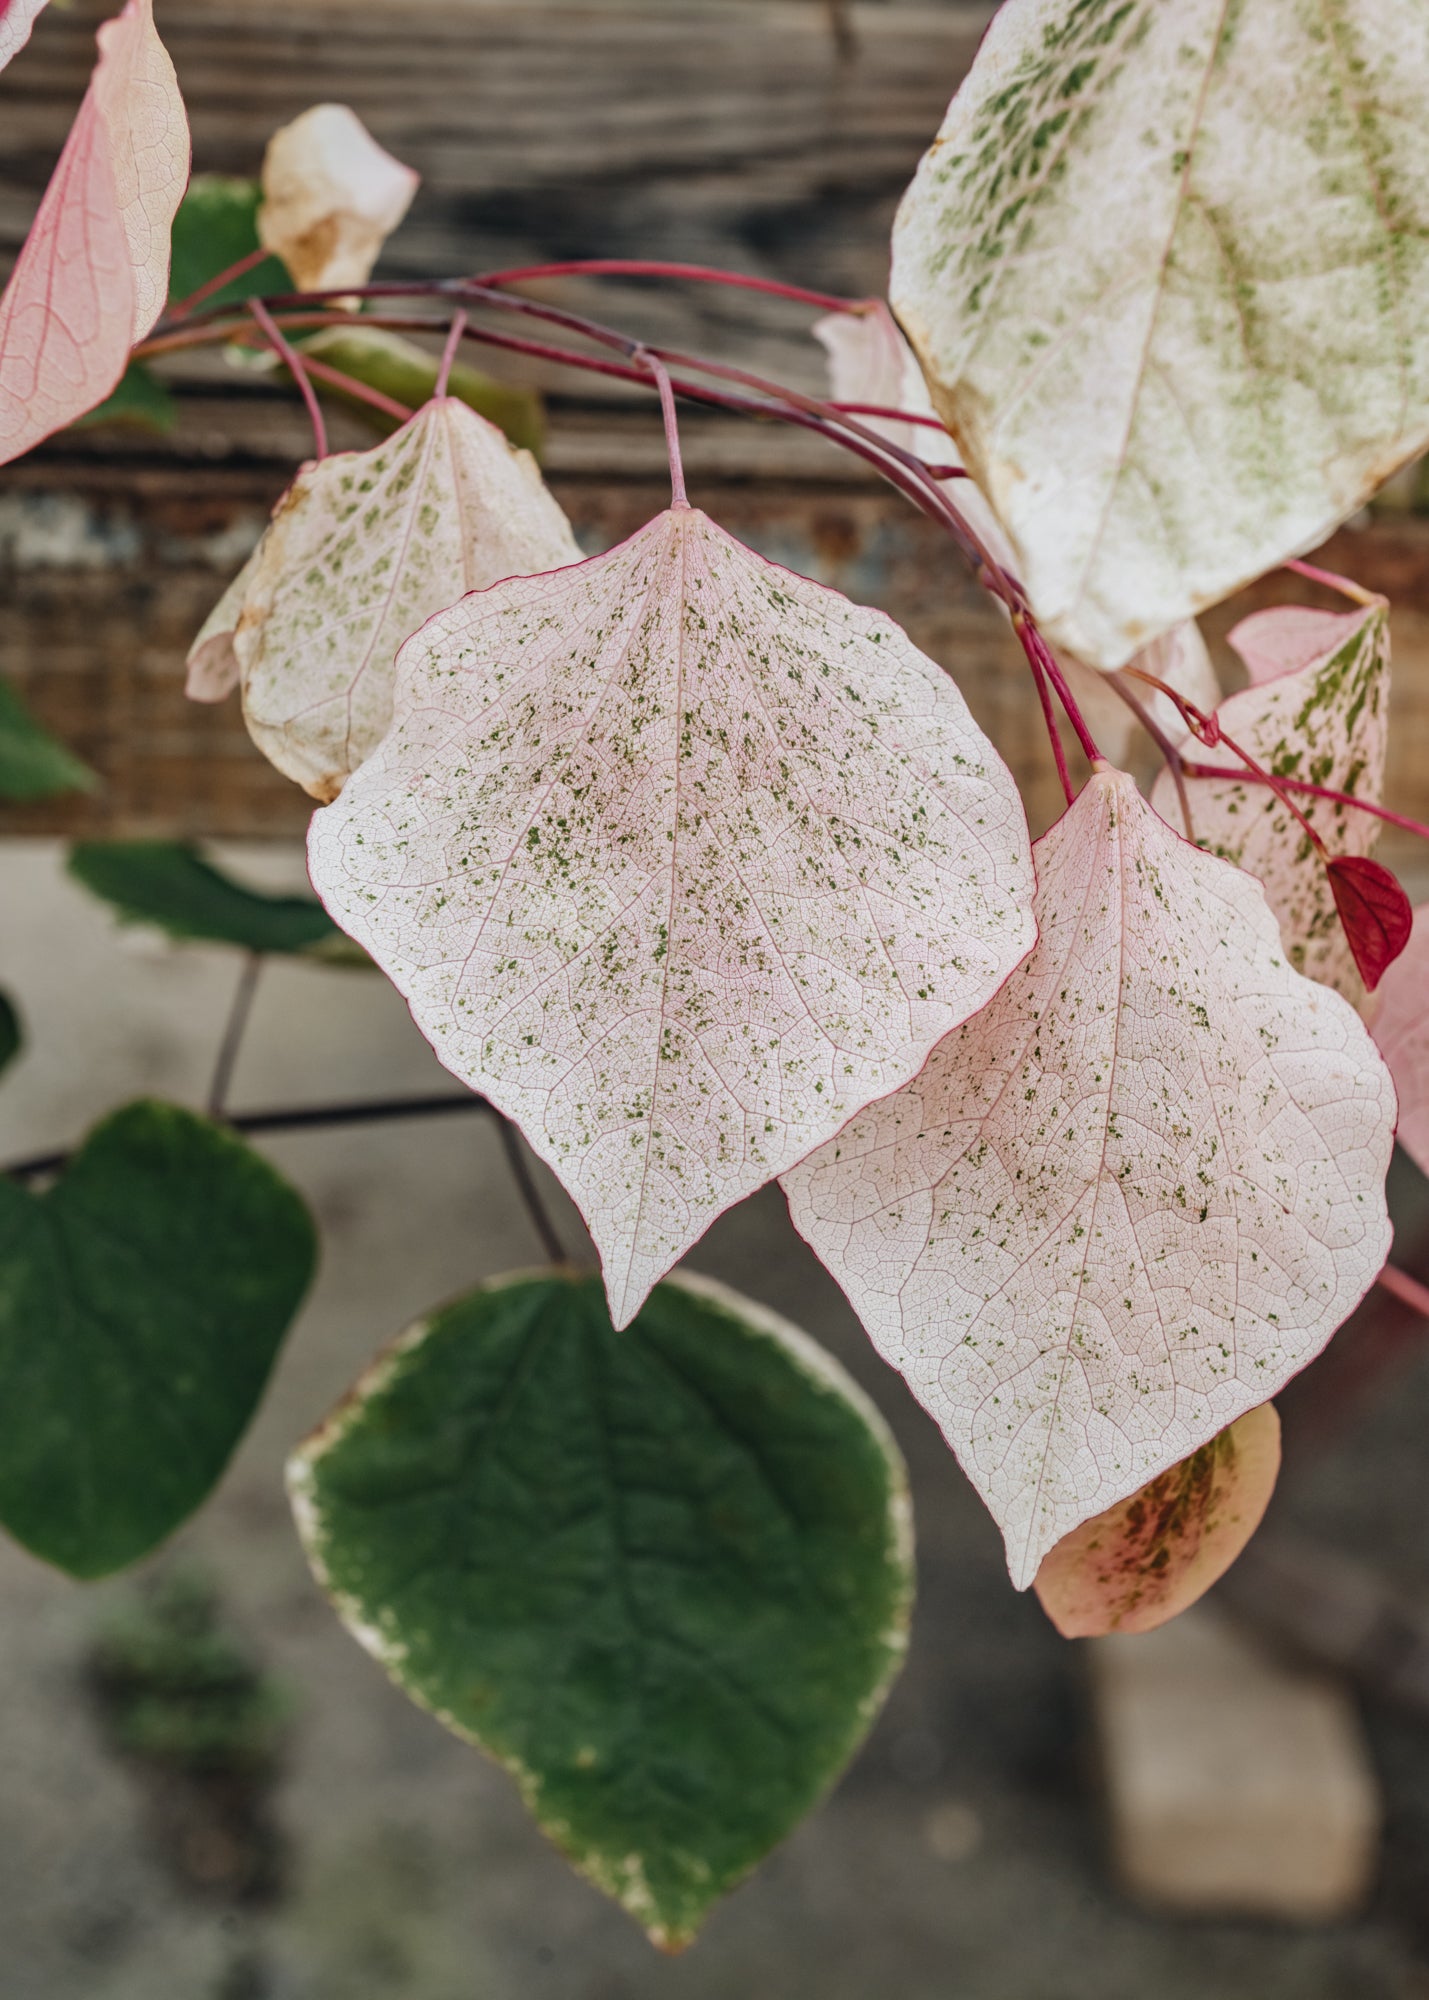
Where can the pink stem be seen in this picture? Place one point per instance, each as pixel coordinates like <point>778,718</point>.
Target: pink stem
<point>1407,1290</point>
<point>212,285</point>
<point>458,328</point>
<point>646,267</point>
<point>660,375</point>
<point>1054,734</point>
<point>1346,588</point>
<point>1199,770</point>
<point>287,352</point>
<point>350,386</point>
<point>887,410</point>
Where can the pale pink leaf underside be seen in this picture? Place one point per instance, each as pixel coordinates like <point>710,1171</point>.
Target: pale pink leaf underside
<point>1151,1557</point>
<point>680,859</point>
<point>93,273</point>
<point>362,549</point>
<point>1128,1200</point>
<point>1327,721</point>
<point>17,18</point>
<point>1400,1024</point>
<point>1287,638</point>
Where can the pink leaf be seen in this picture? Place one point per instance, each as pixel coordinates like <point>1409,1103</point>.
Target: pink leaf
<point>16,20</point>
<point>1149,1558</point>
<point>1400,1024</point>
<point>91,278</point>
<point>680,859</point>
<point>1374,911</point>
<point>1130,1198</point>
<point>1327,721</point>
<point>1290,637</point>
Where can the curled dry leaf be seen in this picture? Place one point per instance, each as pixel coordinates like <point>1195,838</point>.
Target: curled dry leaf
<point>1400,1025</point>
<point>17,17</point>
<point>1176,323</point>
<point>213,671</point>
<point>1374,912</point>
<point>363,547</point>
<point>1128,1200</point>
<point>331,198</point>
<point>680,859</point>
<point>92,276</point>
<point>1149,1558</point>
<point>1326,721</point>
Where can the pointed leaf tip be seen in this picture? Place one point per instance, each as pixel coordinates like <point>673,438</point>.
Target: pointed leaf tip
<point>680,859</point>
<point>1374,910</point>
<point>1149,1558</point>
<point>92,275</point>
<point>1130,1198</point>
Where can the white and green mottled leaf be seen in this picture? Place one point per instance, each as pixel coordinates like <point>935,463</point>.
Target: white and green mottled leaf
<point>680,859</point>
<point>1130,1198</point>
<point>1327,722</point>
<point>362,549</point>
<point>1167,269</point>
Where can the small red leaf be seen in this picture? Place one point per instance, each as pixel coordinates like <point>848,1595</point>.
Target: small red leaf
<point>1374,910</point>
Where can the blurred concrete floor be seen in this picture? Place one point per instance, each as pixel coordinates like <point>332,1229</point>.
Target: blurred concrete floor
<point>960,1859</point>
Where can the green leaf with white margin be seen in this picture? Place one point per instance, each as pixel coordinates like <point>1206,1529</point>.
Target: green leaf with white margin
<point>167,883</point>
<point>143,1299</point>
<point>1167,270</point>
<point>32,764</point>
<point>12,1036</point>
<point>663,1576</point>
<point>1327,721</point>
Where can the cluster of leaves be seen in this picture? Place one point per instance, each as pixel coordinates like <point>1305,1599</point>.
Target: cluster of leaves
<point>705,877</point>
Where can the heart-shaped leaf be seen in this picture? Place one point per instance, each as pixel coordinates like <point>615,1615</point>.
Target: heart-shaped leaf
<point>32,764</point>
<point>1151,1557</point>
<point>1326,721</point>
<point>11,1036</point>
<point>168,884</point>
<point>1167,270</point>
<point>1128,1200</point>
<point>1374,911</point>
<point>17,18</point>
<point>1400,1025</point>
<point>93,274</point>
<point>664,1576</point>
<point>364,547</point>
<point>679,859</point>
<point>142,1301</point>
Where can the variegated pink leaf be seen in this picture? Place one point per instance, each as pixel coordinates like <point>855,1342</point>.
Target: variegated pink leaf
<point>17,17</point>
<point>1288,638</point>
<point>1130,1198</point>
<point>93,273</point>
<point>1149,1558</point>
<point>680,859</point>
<point>363,547</point>
<point>1326,721</point>
<point>1400,1024</point>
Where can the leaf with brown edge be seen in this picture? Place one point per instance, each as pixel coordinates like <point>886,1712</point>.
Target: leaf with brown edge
<point>1326,720</point>
<point>363,548</point>
<point>1399,1023</point>
<point>1374,910</point>
<point>1127,1201</point>
<point>1149,1558</point>
<point>93,274</point>
<point>679,859</point>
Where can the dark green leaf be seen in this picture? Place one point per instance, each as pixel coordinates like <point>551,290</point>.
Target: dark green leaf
<point>11,1036</point>
<point>142,1301</point>
<point>32,764</point>
<point>169,884</point>
<point>141,402</point>
<point>663,1575</point>
<point>406,372</point>
<point>217,226</point>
